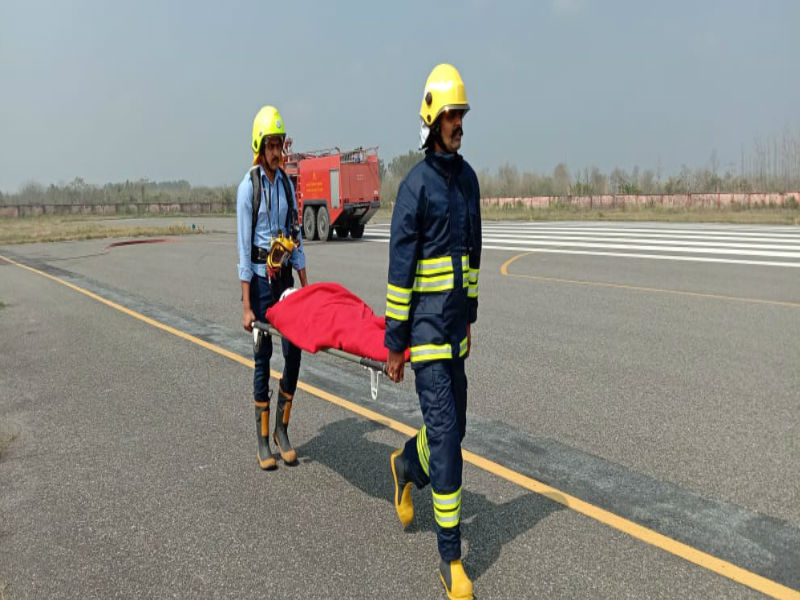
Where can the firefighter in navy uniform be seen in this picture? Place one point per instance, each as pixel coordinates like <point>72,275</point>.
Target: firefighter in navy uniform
<point>431,302</point>
<point>269,246</point>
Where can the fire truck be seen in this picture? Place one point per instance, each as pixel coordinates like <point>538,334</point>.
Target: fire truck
<point>336,191</point>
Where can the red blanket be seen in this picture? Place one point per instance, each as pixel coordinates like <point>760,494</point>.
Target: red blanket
<point>326,315</point>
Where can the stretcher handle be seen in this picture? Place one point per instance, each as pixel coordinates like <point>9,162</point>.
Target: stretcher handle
<point>361,360</point>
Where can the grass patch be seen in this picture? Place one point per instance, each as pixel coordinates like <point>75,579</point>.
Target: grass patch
<point>64,229</point>
<point>762,216</point>
<point>734,215</point>
<point>163,215</point>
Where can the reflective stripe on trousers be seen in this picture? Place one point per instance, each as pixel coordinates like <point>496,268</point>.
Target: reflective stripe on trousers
<point>434,454</point>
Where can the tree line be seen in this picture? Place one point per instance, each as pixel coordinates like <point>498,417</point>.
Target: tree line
<point>771,165</point>
<point>142,191</point>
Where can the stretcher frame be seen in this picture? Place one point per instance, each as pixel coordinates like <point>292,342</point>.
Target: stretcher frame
<point>376,368</point>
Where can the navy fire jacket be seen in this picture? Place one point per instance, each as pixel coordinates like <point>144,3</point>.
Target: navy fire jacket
<point>434,259</point>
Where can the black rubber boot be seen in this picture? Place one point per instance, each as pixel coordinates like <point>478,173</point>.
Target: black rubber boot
<point>266,460</point>
<point>403,503</point>
<point>457,585</point>
<point>280,436</point>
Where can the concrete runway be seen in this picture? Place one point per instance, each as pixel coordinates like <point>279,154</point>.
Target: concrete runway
<point>651,396</point>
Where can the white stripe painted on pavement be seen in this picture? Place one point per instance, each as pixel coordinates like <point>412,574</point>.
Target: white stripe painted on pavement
<point>662,233</point>
<point>653,246</point>
<point>709,259</point>
<point>635,226</point>
<point>705,259</point>
<point>568,241</point>
<point>764,263</point>
<point>700,228</point>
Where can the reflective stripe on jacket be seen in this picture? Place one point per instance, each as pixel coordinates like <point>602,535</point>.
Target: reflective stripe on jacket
<point>434,259</point>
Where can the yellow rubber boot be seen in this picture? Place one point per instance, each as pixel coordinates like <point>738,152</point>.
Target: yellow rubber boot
<point>266,460</point>
<point>456,584</point>
<point>402,489</point>
<point>280,435</point>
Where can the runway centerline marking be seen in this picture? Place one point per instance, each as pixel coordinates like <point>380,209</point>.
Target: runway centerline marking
<point>637,288</point>
<point>649,536</point>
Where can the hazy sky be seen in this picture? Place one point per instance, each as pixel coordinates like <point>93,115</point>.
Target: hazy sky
<point>111,91</point>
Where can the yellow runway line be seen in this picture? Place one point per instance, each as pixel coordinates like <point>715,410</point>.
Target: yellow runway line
<point>698,557</point>
<point>136,315</point>
<point>505,265</point>
<point>622,286</point>
<point>702,559</point>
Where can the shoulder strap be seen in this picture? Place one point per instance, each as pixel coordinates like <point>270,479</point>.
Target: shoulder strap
<point>291,213</point>
<point>291,210</point>
<point>255,177</point>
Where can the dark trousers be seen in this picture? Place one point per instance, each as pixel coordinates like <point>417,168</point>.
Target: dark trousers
<point>442,389</point>
<point>261,298</point>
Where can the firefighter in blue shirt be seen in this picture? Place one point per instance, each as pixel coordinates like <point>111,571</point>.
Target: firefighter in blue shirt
<point>269,245</point>
<point>431,302</point>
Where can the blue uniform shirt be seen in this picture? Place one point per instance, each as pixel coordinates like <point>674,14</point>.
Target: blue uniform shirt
<point>265,231</point>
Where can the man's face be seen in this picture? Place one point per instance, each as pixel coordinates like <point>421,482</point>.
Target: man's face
<point>451,129</point>
<point>273,146</point>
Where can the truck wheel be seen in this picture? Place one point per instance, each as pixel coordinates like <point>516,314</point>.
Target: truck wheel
<point>324,224</point>
<point>309,223</point>
<point>342,231</point>
<point>357,230</point>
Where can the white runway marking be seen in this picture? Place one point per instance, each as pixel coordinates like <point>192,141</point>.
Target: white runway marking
<point>745,245</point>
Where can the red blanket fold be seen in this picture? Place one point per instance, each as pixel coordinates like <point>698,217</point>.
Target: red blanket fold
<point>326,315</point>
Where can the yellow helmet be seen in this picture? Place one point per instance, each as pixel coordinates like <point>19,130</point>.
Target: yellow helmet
<point>444,90</point>
<point>268,122</point>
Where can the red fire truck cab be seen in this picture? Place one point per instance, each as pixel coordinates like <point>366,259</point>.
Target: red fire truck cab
<point>336,191</point>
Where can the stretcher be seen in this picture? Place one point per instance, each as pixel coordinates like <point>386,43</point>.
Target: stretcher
<point>326,317</point>
<point>375,368</point>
